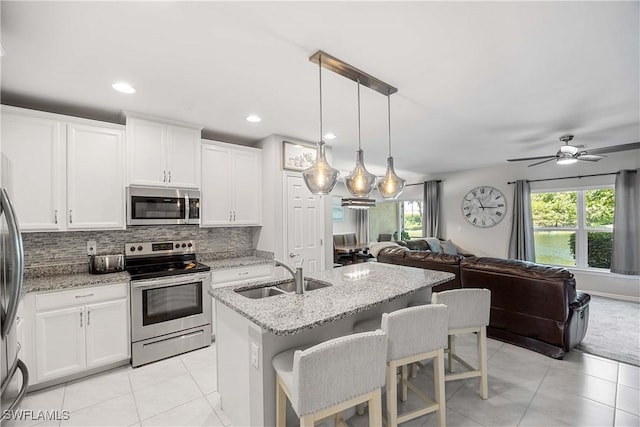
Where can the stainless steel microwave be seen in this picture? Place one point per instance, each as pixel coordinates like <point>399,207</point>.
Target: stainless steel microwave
<point>162,206</point>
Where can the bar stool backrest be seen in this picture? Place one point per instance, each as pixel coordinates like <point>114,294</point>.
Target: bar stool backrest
<point>416,330</point>
<point>467,307</point>
<point>337,370</point>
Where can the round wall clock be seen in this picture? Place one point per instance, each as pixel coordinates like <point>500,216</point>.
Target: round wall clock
<point>484,206</point>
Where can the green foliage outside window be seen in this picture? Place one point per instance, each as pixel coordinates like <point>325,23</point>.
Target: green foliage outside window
<point>599,246</point>
<point>554,209</point>
<point>599,204</point>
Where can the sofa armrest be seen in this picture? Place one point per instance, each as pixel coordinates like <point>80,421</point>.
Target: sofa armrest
<point>581,301</point>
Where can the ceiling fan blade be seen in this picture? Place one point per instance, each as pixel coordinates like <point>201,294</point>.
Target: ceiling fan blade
<point>614,148</point>
<point>544,161</point>
<point>589,157</point>
<point>532,158</point>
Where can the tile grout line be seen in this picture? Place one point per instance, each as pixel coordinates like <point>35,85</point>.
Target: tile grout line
<point>534,396</point>
<point>615,399</point>
<point>135,402</point>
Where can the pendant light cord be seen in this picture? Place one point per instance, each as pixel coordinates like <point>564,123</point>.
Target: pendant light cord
<point>320,79</point>
<point>359,148</point>
<point>389,116</point>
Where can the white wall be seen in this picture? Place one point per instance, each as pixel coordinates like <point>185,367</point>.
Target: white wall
<point>494,241</point>
<point>348,225</point>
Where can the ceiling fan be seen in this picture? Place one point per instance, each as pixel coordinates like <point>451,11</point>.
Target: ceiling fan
<point>568,153</point>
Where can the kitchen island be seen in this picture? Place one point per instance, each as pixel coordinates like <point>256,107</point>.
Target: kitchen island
<point>249,332</point>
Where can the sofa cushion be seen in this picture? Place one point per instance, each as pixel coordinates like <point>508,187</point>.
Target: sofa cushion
<point>434,244</point>
<point>428,256</point>
<point>417,245</point>
<point>449,248</point>
<point>523,269</point>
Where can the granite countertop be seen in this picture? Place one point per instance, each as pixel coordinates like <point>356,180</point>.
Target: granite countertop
<point>54,278</point>
<point>355,288</point>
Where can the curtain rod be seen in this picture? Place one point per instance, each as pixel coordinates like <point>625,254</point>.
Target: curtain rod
<point>568,177</point>
<point>421,183</point>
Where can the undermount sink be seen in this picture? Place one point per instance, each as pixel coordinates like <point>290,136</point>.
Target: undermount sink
<point>258,293</point>
<point>309,285</point>
<point>288,286</point>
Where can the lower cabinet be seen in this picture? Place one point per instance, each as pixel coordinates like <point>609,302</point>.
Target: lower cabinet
<point>86,335</point>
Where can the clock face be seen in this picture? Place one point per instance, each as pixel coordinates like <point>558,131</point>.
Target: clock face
<point>484,206</point>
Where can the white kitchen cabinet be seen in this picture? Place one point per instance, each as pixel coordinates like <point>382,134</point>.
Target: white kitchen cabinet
<point>80,329</point>
<point>231,191</point>
<point>162,154</point>
<point>63,173</point>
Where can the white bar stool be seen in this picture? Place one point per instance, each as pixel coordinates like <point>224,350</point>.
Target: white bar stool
<point>330,377</point>
<point>414,334</point>
<point>469,312</point>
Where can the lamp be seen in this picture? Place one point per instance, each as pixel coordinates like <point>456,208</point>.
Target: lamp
<point>320,178</point>
<point>391,185</point>
<point>360,182</point>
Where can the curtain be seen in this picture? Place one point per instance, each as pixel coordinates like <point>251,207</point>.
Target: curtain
<point>625,258</point>
<point>362,225</point>
<point>431,214</point>
<point>521,244</point>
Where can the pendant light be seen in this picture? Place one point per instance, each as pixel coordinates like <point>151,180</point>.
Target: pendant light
<point>320,178</point>
<point>360,182</point>
<point>391,185</point>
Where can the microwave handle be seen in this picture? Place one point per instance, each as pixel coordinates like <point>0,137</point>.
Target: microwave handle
<point>155,283</point>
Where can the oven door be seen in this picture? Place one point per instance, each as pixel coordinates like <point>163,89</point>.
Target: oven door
<point>169,304</point>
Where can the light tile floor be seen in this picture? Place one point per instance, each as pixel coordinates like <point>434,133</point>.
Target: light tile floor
<point>525,389</point>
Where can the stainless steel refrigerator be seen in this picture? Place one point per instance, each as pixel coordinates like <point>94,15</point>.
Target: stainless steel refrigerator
<point>15,376</point>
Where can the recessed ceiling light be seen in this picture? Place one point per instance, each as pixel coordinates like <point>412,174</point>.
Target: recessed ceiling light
<point>123,87</point>
<point>253,118</point>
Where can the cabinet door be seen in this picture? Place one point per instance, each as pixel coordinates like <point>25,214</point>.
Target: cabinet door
<point>146,150</point>
<point>246,176</point>
<point>33,170</point>
<point>95,178</point>
<point>60,343</point>
<point>183,157</point>
<point>216,188</point>
<point>107,332</point>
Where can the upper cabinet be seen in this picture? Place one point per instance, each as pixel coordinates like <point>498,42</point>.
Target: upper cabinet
<point>162,154</point>
<point>63,173</point>
<point>231,190</point>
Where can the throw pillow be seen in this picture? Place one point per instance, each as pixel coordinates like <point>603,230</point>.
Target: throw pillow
<point>434,244</point>
<point>417,245</point>
<point>448,247</point>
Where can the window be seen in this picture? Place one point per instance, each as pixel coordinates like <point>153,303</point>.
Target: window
<point>573,228</point>
<point>389,217</point>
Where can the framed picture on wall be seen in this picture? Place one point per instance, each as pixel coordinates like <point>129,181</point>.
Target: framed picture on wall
<point>297,157</point>
<point>337,211</point>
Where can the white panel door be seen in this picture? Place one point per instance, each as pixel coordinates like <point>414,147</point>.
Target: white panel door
<point>107,332</point>
<point>183,157</point>
<point>60,345</point>
<point>216,188</point>
<point>33,170</point>
<point>95,178</point>
<point>246,176</point>
<point>304,225</point>
<point>146,150</point>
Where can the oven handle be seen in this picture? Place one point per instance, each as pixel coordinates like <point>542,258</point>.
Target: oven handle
<point>156,283</point>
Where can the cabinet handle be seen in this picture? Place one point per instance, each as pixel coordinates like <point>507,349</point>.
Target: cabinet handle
<point>81,319</point>
<point>244,273</point>
<point>234,215</point>
<point>88,318</point>
<point>55,216</point>
<point>169,176</point>
<point>70,216</point>
<point>230,216</point>
<point>84,296</point>
<point>164,173</point>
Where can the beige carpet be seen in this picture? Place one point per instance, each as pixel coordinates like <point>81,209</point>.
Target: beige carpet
<point>614,330</point>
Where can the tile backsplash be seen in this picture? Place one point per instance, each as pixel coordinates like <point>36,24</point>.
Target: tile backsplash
<point>45,249</point>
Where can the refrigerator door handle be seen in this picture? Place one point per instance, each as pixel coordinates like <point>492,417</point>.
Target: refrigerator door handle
<point>15,284</point>
<point>23,389</point>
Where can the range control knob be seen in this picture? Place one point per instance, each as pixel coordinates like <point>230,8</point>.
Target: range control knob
<point>132,248</point>
<point>140,247</point>
<point>184,245</point>
<point>189,244</point>
<point>177,245</point>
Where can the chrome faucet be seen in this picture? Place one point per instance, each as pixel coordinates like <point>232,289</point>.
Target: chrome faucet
<point>297,275</point>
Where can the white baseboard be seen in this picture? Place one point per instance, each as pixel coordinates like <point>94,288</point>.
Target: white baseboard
<point>614,296</point>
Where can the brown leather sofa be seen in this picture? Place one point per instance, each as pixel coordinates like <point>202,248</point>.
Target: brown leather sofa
<point>534,306</point>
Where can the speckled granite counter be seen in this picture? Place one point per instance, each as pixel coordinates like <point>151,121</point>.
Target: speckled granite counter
<point>63,281</point>
<point>354,289</point>
<point>236,262</point>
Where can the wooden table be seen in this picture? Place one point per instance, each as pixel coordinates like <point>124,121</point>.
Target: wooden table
<point>352,249</point>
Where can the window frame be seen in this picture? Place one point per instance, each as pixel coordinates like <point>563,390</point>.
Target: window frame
<point>581,229</point>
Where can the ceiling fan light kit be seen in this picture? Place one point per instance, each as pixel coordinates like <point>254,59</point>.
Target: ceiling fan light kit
<point>360,182</point>
<point>569,154</point>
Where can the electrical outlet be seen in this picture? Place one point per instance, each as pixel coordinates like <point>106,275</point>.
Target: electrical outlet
<point>255,351</point>
<point>91,247</point>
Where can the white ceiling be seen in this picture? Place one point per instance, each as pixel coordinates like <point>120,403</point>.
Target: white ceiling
<point>479,82</point>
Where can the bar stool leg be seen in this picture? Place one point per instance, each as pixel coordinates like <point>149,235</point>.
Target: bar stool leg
<point>438,378</point>
<point>281,404</point>
<point>360,409</point>
<point>452,352</point>
<point>392,395</point>
<point>375,409</point>
<point>307,421</point>
<point>482,362</point>
<point>403,382</point>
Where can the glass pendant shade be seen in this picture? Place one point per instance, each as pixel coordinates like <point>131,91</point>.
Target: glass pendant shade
<point>391,185</point>
<point>320,178</point>
<point>360,182</point>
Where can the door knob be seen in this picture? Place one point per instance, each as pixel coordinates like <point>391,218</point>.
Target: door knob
<point>292,255</point>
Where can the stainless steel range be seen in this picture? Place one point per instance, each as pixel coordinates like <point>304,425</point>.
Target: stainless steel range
<point>170,307</point>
